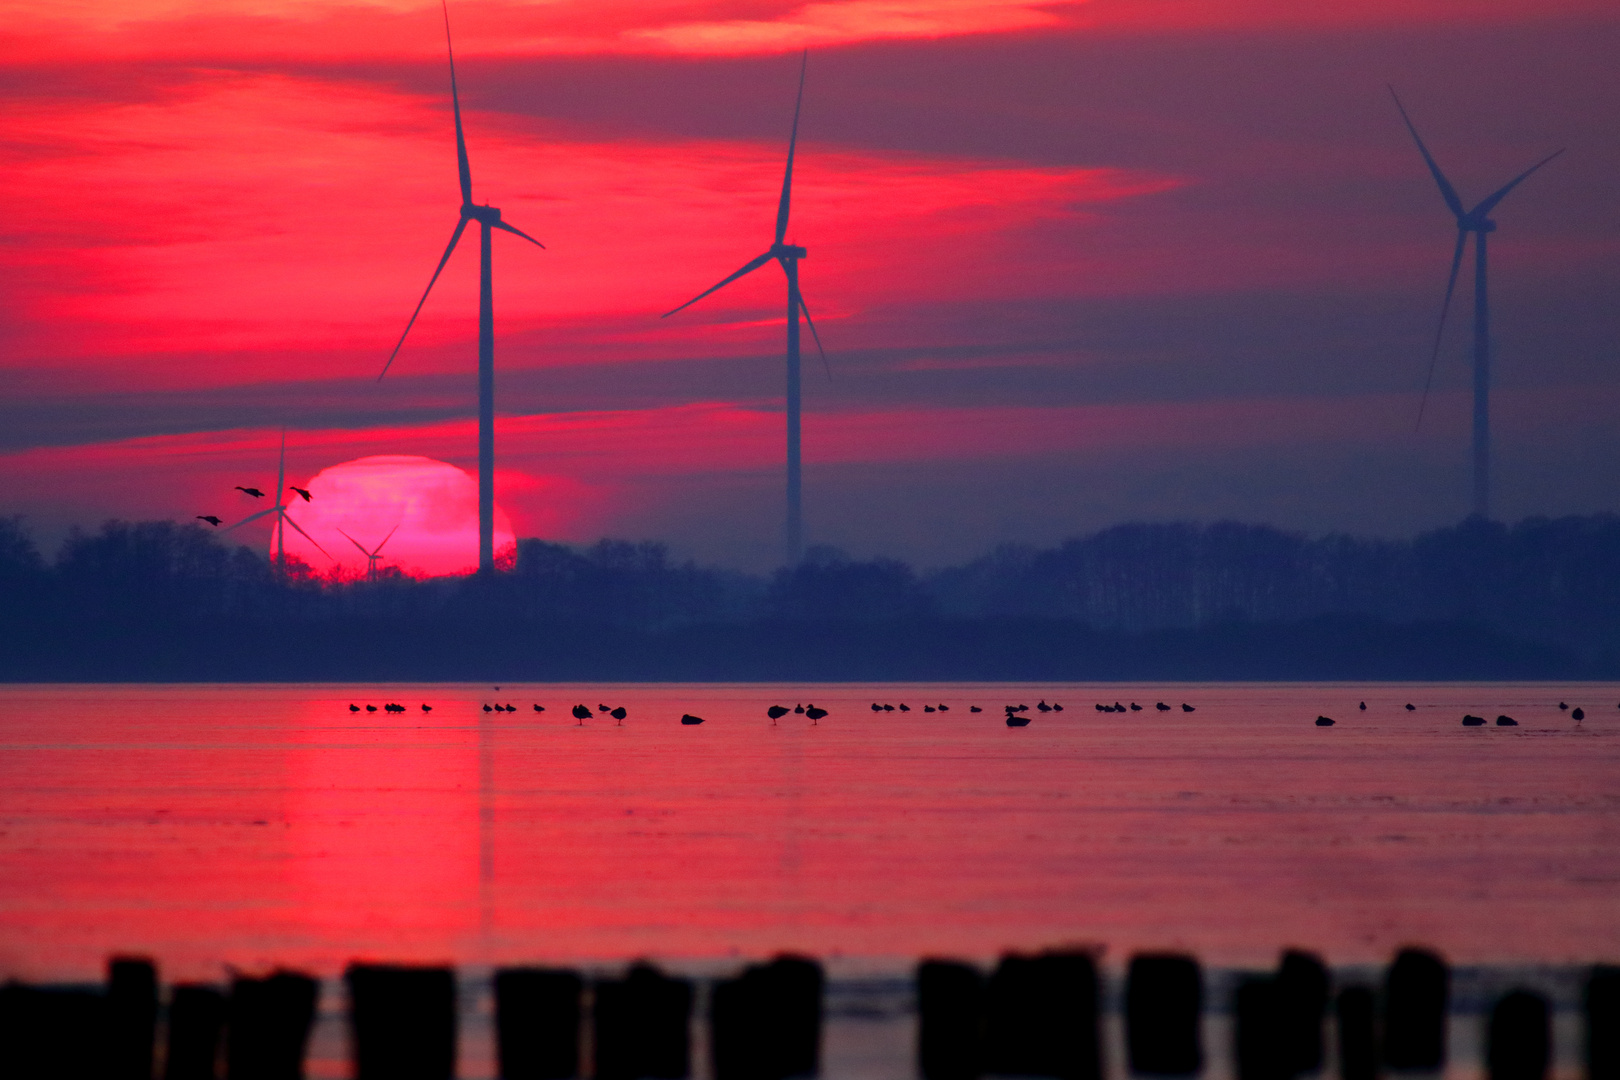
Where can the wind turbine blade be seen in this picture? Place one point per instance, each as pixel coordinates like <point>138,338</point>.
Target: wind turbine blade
<point>454,238</point>
<point>1489,202</point>
<point>793,139</point>
<point>815,336</point>
<point>1447,192</point>
<point>252,517</point>
<point>462,167</point>
<point>519,232</point>
<point>281,469</point>
<point>306,536</point>
<point>378,551</point>
<point>356,543</point>
<point>748,268</point>
<point>1445,306</point>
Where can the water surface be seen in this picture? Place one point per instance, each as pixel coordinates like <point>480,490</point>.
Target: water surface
<point>254,825</point>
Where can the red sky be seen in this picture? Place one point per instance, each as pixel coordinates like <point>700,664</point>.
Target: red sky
<point>1074,262</point>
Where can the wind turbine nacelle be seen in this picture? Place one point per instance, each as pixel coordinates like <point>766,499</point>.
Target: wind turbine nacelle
<point>1479,225</point>
<point>484,215</point>
<point>789,251</point>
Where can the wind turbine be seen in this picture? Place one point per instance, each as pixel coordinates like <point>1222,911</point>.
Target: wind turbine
<point>1478,222</point>
<point>488,218</point>
<point>788,255</point>
<point>280,510</point>
<point>374,554</point>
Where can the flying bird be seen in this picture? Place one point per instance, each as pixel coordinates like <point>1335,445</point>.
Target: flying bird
<point>210,518</point>
<point>255,492</point>
<point>488,218</point>
<point>301,492</point>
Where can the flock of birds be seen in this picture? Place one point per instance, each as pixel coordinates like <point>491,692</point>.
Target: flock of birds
<point>1016,714</point>
<point>1469,720</point>
<point>216,521</point>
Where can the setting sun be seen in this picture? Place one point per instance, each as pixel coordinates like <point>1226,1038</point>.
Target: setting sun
<point>421,513</point>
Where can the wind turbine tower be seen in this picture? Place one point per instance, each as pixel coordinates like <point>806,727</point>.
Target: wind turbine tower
<point>488,218</point>
<point>1478,222</point>
<point>373,554</point>
<point>788,255</point>
<point>280,510</point>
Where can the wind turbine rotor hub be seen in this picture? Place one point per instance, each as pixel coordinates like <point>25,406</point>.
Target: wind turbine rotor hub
<point>485,215</point>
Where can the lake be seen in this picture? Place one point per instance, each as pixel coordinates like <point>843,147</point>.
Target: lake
<point>253,825</point>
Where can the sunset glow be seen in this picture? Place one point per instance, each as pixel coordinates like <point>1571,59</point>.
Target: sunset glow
<point>1179,246</point>
<point>417,514</point>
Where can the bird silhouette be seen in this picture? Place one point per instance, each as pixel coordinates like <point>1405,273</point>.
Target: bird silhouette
<point>620,713</point>
<point>776,712</point>
<point>1506,721</point>
<point>1411,707</point>
<point>1578,713</point>
<point>582,713</point>
<point>1043,706</point>
<point>489,708</point>
<point>689,720</point>
<point>301,492</point>
<point>255,492</point>
<point>1473,721</point>
<point>1162,707</point>
<point>371,708</point>
<point>539,708</point>
<point>1014,720</point>
<point>426,707</point>
<point>601,708</point>
<point>1056,707</point>
<point>944,708</point>
<point>1187,708</point>
<point>875,707</point>
<point>888,708</point>
<point>354,708</point>
<point>814,713</point>
<point>210,518</point>
<point>928,708</point>
<point>1563,706</point>
<point>1135,707</point>
<point>800,709</point>
<point>1323,721</point>
<point>974,708</point>
<point>904,707</point>
<point>1363,706</point>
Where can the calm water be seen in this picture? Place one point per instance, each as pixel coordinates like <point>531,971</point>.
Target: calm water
<point>252,825</point>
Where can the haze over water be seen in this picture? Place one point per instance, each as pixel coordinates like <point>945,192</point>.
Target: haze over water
<point>255,825</point>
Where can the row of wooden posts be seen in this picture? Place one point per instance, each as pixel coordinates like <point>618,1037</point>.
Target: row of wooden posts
<point>1034,1015</point>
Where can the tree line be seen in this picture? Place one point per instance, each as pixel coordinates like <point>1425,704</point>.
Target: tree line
<point>134,598</point>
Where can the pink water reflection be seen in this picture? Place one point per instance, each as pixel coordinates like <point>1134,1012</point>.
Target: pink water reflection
<point>255,825</point>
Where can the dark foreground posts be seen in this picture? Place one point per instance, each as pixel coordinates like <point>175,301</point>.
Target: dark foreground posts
<point>196,1022</point>
<point>1603,1024</point>
<point>1041,1017</point>
<point>537,1023</point>
<point>640,1027</point>
<point>1518,1043</point>
<point>766,1023</point>
<point>132,1003</point>
<point>402,1022</point>
<point>268,1023</point>
<point>950,1020</point>
<point>50,1033</point>
<point>1164,999</point>
<point>1358,1034</point>
<point>1417,992</point>
<point>1258,1030</point>
<point>1302,983</point>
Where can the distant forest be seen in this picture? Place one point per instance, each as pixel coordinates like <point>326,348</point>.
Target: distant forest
<point>163,601</point>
